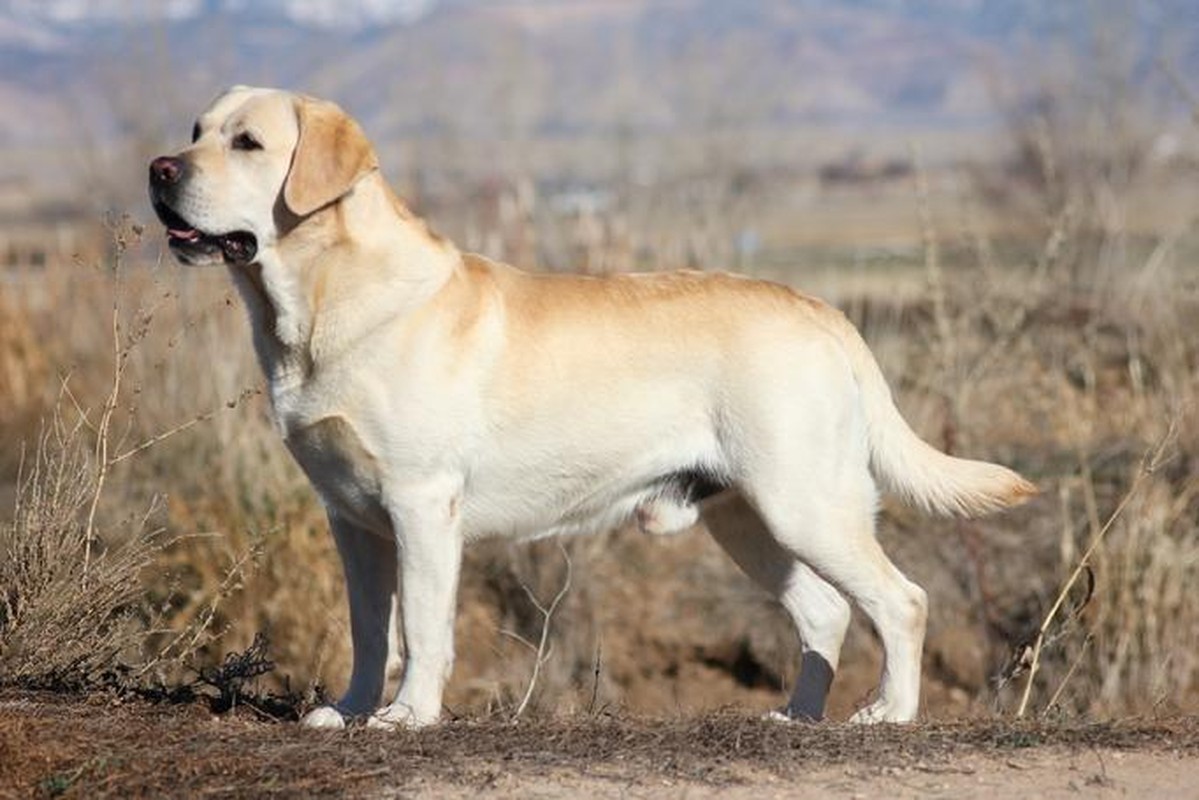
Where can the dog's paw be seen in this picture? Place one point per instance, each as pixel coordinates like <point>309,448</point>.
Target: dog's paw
<point>787,714</point>
<point>324,717</point>
<point>880,711</point>
<point>398,716</point>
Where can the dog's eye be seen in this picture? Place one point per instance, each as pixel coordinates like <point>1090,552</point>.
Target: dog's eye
<point>246,141</point>
<point>195,132</point>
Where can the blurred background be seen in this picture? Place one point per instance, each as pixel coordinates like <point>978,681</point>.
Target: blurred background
<point>1002,195</point>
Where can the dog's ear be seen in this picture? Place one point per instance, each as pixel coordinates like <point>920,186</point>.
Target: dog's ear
<point>331,154</point>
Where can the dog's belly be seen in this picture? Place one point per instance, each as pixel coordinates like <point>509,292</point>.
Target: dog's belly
<point>342,470</point>
<point>578,491</point>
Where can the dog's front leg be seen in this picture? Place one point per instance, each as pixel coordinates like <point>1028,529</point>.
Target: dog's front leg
<point>427,524</point>
<point>369,562</point>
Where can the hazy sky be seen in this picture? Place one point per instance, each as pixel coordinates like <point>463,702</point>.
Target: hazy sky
<point>320,12</point>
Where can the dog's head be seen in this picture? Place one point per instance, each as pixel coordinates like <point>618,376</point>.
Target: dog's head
<point>261,162</point>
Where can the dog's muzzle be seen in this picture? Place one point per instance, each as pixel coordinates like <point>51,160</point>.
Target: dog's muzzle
<point>191,245</point>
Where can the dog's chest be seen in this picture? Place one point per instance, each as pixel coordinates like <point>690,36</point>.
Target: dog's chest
<point>345,474</point>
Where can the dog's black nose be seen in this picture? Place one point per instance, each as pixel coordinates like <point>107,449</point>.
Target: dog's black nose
<point>166,170</point>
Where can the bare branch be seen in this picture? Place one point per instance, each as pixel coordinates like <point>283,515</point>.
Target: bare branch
<point>543,650</point>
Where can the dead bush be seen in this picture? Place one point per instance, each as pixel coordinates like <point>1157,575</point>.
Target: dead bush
<point>72,607</point>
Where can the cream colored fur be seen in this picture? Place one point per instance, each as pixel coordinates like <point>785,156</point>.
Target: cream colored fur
<point>434,398</point>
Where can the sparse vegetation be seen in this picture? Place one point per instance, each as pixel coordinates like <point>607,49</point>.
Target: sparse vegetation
<point>68,618</point>
<point>76,611</point>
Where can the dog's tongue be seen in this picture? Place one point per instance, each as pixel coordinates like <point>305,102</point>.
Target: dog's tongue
<point>189,235</point>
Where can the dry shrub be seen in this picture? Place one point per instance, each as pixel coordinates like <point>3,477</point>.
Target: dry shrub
<point>1145,624</point>
<point>72,609</point>
<point>83,603</point>
<point>1069,352</point>
<point>294,592</point>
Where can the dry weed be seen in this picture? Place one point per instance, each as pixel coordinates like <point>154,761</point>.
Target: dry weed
<point>67,617</point>
<point>75,610</point>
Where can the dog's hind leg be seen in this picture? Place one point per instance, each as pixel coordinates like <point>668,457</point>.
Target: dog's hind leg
<point>369,562</point>
<point>831,529</point>
<point>820,614</point>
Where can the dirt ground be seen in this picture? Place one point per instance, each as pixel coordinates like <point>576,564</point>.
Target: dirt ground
<point>54,745</point>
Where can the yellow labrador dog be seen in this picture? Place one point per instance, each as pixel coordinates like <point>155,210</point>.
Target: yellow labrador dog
<point>434,398</point>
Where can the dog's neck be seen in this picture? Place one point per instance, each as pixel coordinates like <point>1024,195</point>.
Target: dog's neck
<point>358,263</point>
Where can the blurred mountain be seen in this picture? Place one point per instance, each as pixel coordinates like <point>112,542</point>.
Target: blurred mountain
<point>544,67</point>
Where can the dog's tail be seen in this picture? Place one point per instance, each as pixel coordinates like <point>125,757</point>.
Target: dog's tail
<point>909,466</point>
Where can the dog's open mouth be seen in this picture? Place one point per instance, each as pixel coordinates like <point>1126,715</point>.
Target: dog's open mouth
<point>192,245</point>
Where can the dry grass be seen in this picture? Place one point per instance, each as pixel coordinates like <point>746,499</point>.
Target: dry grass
<point>71,609</point>
<point>77,611</point>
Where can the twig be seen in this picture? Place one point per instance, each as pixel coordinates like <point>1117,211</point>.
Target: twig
<point>64,389</point>
<point>1069,673</point>
<point>542,651</point>
<point>932,263</point>
<point>202,621</point>
<point>599,658</point>
<point>101,447</point>
<point>1149,465</point>
<point>180,428</point>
